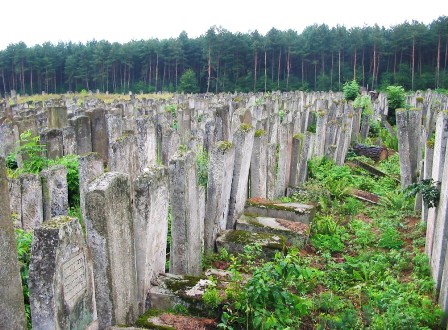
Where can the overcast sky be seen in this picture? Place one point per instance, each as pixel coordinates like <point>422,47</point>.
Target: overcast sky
<point>38,21</point>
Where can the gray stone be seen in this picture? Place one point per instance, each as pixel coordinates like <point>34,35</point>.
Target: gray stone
<point>98,130</point>
<point>150,228</point>
<point>90,167</point>
<point>185,252</point>
<point>244,141</point>
<point>54,191</point>
<point>9,137</point>
<point>296,233</point>
<point>12,309</point>
<point>288,211</point>
<point>53,141</point>
<point>440,231</point>
<point>258,165</point>
<point>61,279</point>
<point>69,141</point>
<point>57,117</point>
<point>234,242</point>
<point>15,197</point>
<point>110,236</point>
<point>31,194</point>
<point>82,133</point>
<point>219,183</point>
<point>146,143</point>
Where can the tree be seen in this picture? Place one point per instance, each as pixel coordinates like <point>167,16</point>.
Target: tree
<point>188,82</point>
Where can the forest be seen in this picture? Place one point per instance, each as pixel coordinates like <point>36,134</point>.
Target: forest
<point>411,54</point>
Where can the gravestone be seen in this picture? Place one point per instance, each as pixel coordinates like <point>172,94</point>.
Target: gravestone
<point>185,252</point>
<point>150,228</point>
<point>98,131</point>
<point>61,279</point>
<point>12,310</point>
<point>110,236</point>
<point>219,184</point>
<point>57,117</point>
<point>54,191</point>
<point>31,196</point>
<point>258,165</point>
<point>83,134</point>
<point>244,142</point>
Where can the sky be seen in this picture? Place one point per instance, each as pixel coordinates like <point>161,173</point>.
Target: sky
<point>38,21</point>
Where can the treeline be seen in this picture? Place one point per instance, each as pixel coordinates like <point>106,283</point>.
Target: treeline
<point>413,55</point>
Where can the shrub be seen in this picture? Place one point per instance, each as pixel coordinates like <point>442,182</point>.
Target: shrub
<point>395,99</point>
<point>350,90</point>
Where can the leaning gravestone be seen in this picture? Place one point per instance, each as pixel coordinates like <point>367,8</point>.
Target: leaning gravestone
<point>61,278</point>
<point>12,310</point>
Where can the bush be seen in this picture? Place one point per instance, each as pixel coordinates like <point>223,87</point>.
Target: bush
<point>350,90</point>
<point>396,100</point>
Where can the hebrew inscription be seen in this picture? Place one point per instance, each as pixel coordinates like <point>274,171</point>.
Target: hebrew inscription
<point>74,278</point>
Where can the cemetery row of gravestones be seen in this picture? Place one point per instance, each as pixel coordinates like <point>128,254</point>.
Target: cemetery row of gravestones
<point>258,145</point>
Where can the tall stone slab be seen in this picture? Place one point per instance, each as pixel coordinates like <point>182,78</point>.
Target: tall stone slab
<point>408,131</point>
<point>54,191</point>
<point>9,135</point>
<point>12,309</point>
<point>282,161</point>
<point>69,141</point>
<point>61,279</point>
<point>150,228</point>
<point>244,141</point>
<point>31,195</point>
<point>440,239</point>
<point>110,236</point>
<point>219,184</point>
<point>321,129</point>
<point>439,153</point>
<point>53,141</point>
<point>258,165</point>
<point>185,252</point>
<point>57,117</point>
<point>123,156</point>
<point>91,166</point>
<point>146,143</point>
<point>98,131</point>
<point>83,134</point>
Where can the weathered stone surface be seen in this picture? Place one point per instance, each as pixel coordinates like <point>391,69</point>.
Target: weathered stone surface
<point>185,252</point>
<point>69,141</point>
<point>146,146</point>
<point>31,194</point>
<point>15,198</point>
<point>219,183</point>
<point>110,236</point>
<point>9,137</point>
<point>91,166</point>
<point>53,142</point>
<point>12,310</point>
<point>61,278</point>
<point>296,233</point>
<point>258,165</point>
<point>57,117</point>
<point>244,141</point>
<point>83,134</point>
<point>234,242</point>
<point>98,131</point>
<point>150,228</point>
<point>288,211</point>
<point>54,191</point>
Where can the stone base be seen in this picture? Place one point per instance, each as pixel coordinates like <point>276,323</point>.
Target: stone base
<point>234,242</point>
<point>296,233</point>
<point>288,211</point>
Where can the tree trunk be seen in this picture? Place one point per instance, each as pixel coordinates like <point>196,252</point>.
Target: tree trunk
<point>413,63</point>
<point>157,71</point>
<point>255,69</point>
<point>288,68</point>
<point>265,71</point>
<point>437,82</point>
<point>209,70</point>
<point>278,70</point>
<point>354,66</point>
<point>339,67</point>
<point>376,153</point>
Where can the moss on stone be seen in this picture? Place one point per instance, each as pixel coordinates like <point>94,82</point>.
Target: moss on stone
<point>143,320</point>
<point>260,132</point>
<point>225,146</point>
<point>182,284</point>
<point>245,127</point>
<point>430,143</point>
<point>419,99</point>
<point>298,136</point>
<point>56,222</point>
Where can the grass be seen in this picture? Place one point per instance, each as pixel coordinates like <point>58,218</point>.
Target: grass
<point>364,267</point>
